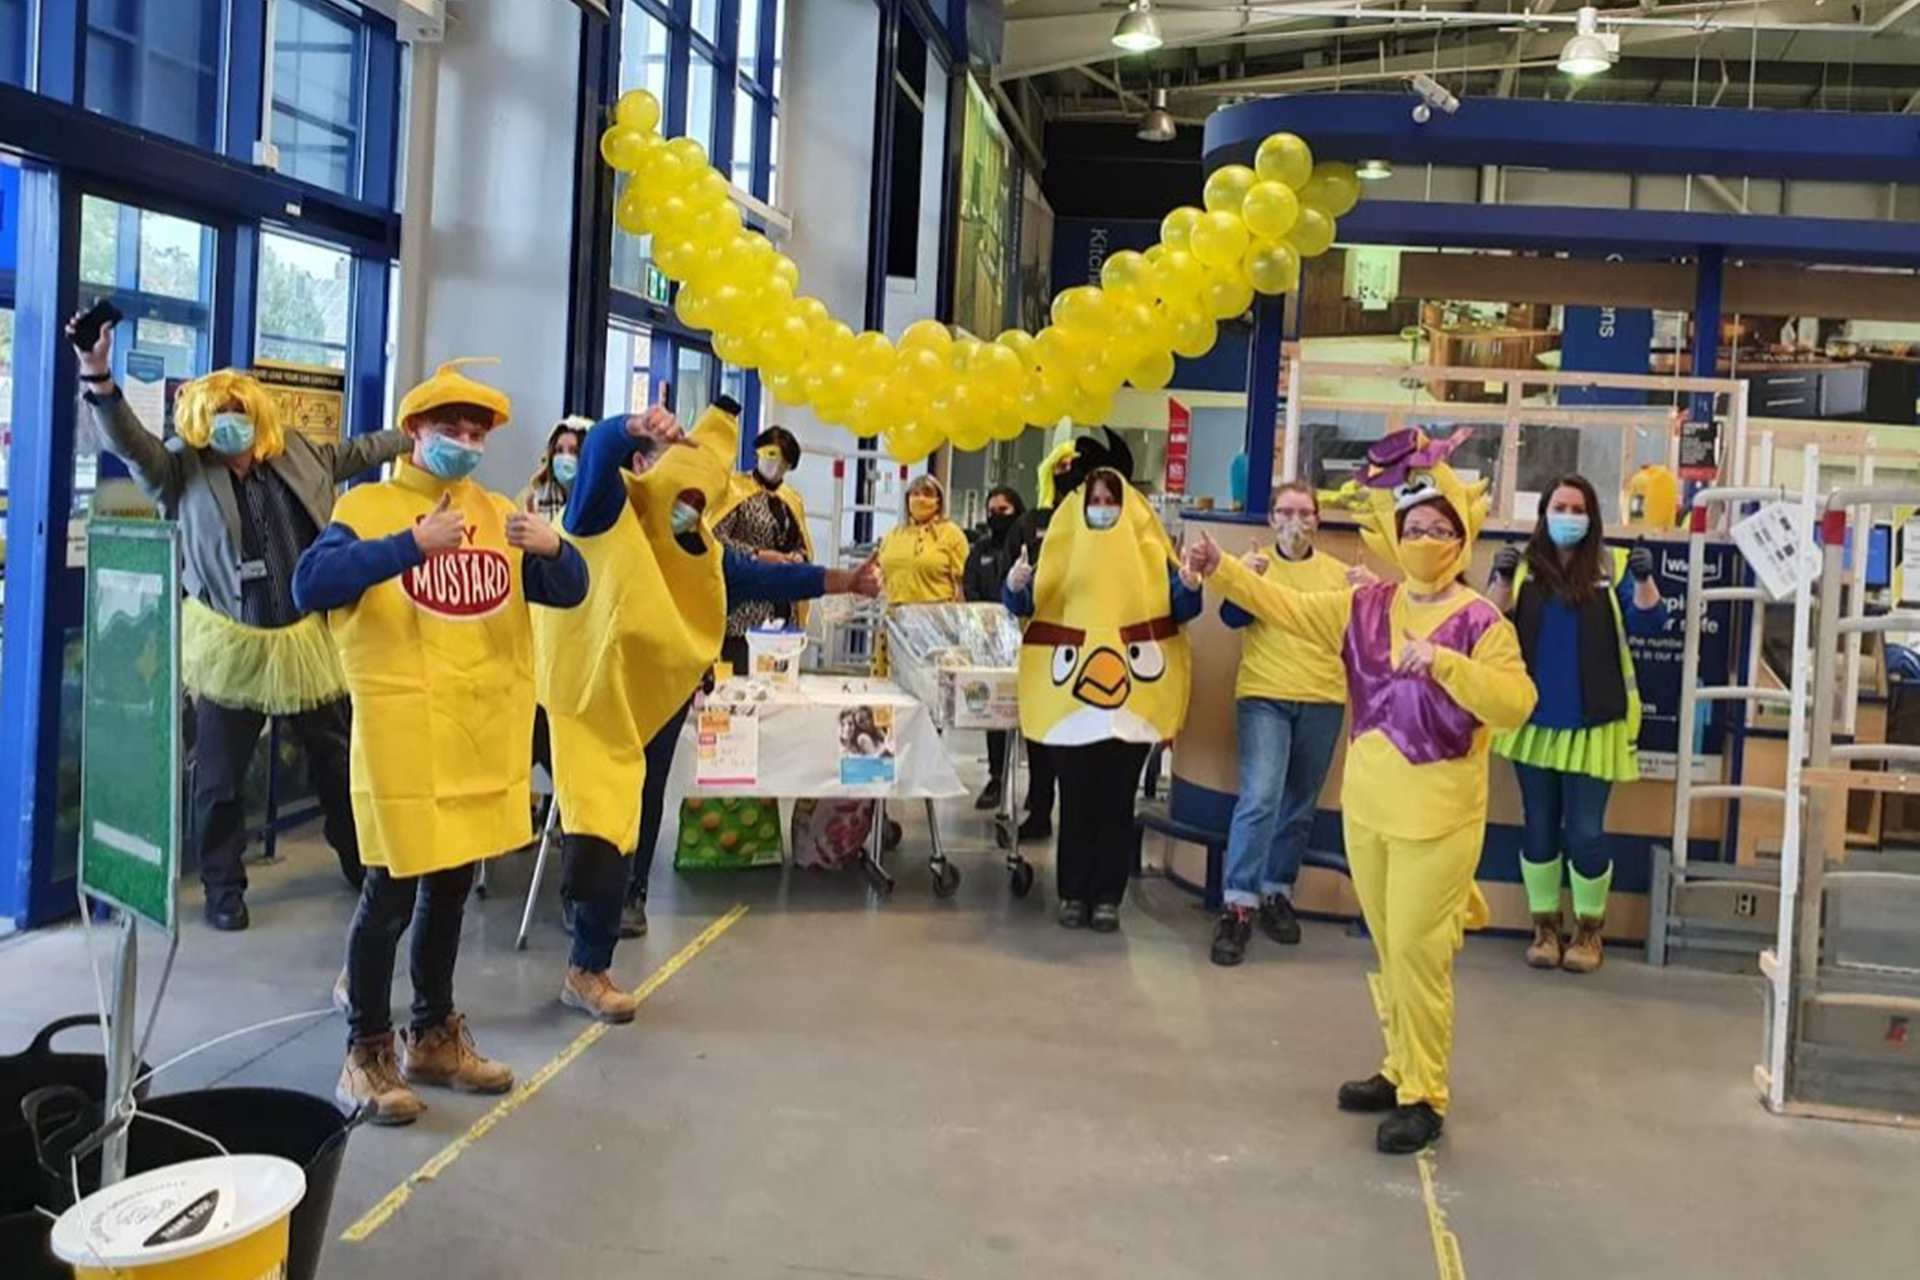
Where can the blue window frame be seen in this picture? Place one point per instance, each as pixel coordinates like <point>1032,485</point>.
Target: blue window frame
<point>16,27</point>
<point>319,93</point>
<point>157,66</point>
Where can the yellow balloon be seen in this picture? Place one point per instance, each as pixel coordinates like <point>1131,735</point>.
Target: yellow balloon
<point>672,217</point>
<point>786,269</point>
<point>694,308</point>
<point>716,224</point>
<point>813,311</point>
<point>1154,372</point>
<point>1270,210</point>
<point>1219,239</point>
<point>709,190</point>
<point>829,381</point>
<point>1284,157</point>
<point>1055,349</point>
<point>788,388</point>
<point>1273,267</point>
<point>1154,252</point>
<point>1020,342</point>
<point>1180,276</point>
<point>910,442</point>
<point>691,155</point>
<point>1194,335</point>
<point>999,368</point>
<point>774,295</point>
<point>783,342</point>
<point>1313,234</point>
<point>834,338</point>
<point>960,355</point>
<point>632,213</point>
<point>749,261</point>
<point>736,350</point>
<point>1007,422</point>
<point>1176,226</point>
<point>1083,309</point>
<point>624,147</point>
<point>927,335</point>
<point>1228,296</point>
<point>866,413</point>
<point>638,109</point>
<point>727,305</point>
<point>674,255</point>
<point>1334,189</point>
<point>1099,378</point>
<point>872,356</point>
<point>662,171</point>
<point>1227,187</point>
<point>1125,272</point>
<point>971,437</point>
<point>1089,409</point>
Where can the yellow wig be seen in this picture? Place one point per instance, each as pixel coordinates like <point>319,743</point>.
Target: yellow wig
<point>226,391</point>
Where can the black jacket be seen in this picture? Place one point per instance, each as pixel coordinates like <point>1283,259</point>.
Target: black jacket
<point>987,563</point>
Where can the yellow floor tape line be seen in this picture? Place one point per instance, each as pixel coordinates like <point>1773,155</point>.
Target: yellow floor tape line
<point>391,1203</point>
<point>1446,1245</point>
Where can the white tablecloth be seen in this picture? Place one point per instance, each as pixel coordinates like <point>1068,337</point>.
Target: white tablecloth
<point>800,747</point>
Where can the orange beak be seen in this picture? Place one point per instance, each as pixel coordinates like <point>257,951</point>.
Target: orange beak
<point>1104,681</point>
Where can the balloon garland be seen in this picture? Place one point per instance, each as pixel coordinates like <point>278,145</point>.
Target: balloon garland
<point>938,384</point>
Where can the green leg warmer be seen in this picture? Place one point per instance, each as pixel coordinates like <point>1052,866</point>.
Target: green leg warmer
<point>1589,896</point>
<point>1543,886</point>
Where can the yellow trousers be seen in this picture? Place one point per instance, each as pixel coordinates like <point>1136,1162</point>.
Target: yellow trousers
<point>1419,899</point>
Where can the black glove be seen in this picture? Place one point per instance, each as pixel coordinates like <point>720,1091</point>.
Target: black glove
<point>1506,562</point>
<point>1640,563</point>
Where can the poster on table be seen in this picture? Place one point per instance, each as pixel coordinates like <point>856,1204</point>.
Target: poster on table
<point>312,398</point>
<point>1657,663</point>
<point>868,752</point>
<point>727,750</point>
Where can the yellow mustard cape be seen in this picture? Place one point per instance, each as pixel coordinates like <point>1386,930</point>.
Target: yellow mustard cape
<point>614,670</point>
<point>742,485</point>
<point>1102,657</point>
<point>439,663</point>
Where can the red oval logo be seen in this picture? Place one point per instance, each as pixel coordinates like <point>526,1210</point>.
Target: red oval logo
<point>469,583</point>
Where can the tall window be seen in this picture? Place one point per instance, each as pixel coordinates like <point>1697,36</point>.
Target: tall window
<point>15,30</point>
<point>305,301</point>
<point>319,56</point>
<point>157,65</point>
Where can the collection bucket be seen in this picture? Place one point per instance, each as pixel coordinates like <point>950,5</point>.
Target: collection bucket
<point>222,1218</point>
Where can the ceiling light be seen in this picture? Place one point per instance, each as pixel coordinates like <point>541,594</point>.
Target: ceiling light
<point>1157,125</point>
<point>1373,170</point>
<point>1588,53</point>
<point>1139,30</point>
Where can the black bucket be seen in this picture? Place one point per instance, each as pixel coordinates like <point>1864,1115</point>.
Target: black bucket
<point>303,1128</point>
<point>41,1066</point>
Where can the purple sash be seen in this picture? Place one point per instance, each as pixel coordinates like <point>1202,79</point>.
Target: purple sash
<point>1415,713</point>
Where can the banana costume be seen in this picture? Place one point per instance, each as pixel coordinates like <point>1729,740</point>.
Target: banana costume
<point>1102,657</point>
<point>1414,790</point>
<point>612,672</point>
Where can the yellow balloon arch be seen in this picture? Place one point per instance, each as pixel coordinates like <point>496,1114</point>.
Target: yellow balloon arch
<point>938,384</point>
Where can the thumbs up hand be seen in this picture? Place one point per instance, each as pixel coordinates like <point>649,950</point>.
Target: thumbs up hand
<point>1020,577</point>
<point>1203,557</point>
<point>441,531</point>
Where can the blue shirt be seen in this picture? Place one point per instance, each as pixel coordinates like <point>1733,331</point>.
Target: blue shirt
<point>1556,655</point>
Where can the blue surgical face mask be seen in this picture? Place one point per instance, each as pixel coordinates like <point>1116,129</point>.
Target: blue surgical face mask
<point>1102,517</point>
<point>565,468</point>
<point>1566,528</point>
<point>232,434</point>
<point>684,517</point>
<point>448,458</point>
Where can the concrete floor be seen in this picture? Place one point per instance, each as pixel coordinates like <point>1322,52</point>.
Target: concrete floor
<point>846,1087</point>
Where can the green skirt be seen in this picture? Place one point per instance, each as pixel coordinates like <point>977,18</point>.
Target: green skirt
<point>1604,751</point>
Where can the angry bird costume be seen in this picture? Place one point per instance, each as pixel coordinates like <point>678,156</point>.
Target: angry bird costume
<point>613,671</point>
<point>1414,790</point>
<point>1102,657</point>
<point>440,663</point>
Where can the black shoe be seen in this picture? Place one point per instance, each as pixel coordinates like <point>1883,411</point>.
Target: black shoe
<point>1073,914</point>
<point>1105,917</point>
<point>1231,935</point>
<point>1278,922</point>
<point>228,915</point>
<point>989,799</point>
<point>1038,826</point>
<point>1375,1093</point>
<point>633,918</point>
<point>1409,1129</point>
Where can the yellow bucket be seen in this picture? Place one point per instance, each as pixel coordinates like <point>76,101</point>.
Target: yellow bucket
<point>223,1218</point>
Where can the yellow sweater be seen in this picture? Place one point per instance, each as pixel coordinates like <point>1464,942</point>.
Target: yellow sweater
<point>1443,789</point>
<point>922,563</point>
<point>1276,663</point>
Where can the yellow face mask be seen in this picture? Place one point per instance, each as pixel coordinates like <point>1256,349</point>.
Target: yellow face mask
<point>1429,563</point>
<point>923,507</point>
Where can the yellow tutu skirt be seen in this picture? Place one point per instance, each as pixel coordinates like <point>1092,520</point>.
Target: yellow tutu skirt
<point>278,671</point>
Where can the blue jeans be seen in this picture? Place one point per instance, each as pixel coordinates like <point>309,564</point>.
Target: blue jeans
<point>1565,810</point>
<point>1286,748</point>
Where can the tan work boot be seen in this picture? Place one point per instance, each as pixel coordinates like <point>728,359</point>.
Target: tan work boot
<point>370,1082</point>
<point>597,995</point>
<point>1586,951</point>
<point>445,1056</point>
<point>1547,947</point>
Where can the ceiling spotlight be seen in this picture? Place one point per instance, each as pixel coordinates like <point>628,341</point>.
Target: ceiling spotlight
<point>1588,53</point>
<point>1157,125</point>
<point>1139,30</point>
<point>1373,170</point>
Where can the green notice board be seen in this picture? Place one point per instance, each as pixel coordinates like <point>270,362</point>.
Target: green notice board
<point>130,718</point>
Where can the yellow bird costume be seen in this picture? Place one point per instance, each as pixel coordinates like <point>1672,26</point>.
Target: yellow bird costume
<point>1414,790</point>
<point>612,672</point>
<point>1102,657</point>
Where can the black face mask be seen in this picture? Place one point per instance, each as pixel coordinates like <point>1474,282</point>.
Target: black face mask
<point>999,522</point>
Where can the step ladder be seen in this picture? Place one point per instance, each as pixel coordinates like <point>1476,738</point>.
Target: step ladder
<point>1723,914</point>
<point>1843,1015</point>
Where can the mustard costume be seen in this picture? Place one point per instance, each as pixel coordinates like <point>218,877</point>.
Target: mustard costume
<point>1414,790</point>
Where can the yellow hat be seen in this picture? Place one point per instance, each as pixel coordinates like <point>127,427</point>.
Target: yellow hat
<point>450,386</point>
